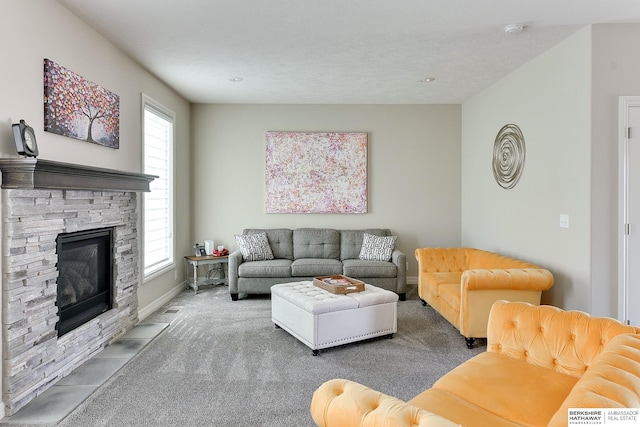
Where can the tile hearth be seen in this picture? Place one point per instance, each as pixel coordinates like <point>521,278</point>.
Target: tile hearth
<point>58,401</point>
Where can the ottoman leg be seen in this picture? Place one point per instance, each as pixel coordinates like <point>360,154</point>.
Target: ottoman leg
<point>315,352</point>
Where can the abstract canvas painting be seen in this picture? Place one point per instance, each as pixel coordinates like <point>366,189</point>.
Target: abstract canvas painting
<point>78,108</point>
<point>316,172</point>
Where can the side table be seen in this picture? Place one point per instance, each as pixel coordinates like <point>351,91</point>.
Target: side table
<point>215,263</point>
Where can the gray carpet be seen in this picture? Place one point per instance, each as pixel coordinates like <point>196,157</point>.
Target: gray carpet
<point>222,363</point>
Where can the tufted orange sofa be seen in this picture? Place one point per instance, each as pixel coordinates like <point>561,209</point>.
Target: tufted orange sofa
<point>540,361</point>
<point>463,283</point>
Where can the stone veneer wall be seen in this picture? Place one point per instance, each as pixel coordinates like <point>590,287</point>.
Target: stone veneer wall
<point>34,357</point>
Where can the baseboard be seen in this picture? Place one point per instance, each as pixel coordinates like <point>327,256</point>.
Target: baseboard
<point>159,302</point>
<point>155,305</point>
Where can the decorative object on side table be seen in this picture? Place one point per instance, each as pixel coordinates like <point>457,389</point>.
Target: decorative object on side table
<point>198,250</point>
<point>508,156</point>
<point>221,251</point>
<point>25,139</point>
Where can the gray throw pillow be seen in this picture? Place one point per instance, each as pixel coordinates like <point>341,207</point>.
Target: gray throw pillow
<point>377,248</point>
<point>254,247</point>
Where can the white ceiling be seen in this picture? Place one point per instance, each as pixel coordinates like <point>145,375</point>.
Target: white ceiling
<point>338,51</point>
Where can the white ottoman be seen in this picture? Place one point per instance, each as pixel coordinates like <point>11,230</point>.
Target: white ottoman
<point>321,319</point>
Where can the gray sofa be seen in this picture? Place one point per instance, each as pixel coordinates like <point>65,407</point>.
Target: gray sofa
<point>304,253</point>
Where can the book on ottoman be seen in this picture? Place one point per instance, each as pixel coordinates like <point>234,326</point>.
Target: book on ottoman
<point>338,284</point>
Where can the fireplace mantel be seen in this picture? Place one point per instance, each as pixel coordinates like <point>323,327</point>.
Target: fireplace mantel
<point>30,173</point>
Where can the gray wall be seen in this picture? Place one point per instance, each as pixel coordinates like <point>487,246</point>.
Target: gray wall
<point>413,170</point>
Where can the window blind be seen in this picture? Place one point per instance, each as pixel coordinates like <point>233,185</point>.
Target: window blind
<point>158,203</point>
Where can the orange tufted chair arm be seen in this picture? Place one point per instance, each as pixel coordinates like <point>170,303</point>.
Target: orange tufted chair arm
<point>345,403</point>
<point>525,279</point>
<point>612,381</point>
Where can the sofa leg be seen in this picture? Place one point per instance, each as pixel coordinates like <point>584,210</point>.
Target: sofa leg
<point>469,341</point>
<point>315,352</point>
<point>424,303</point>
<point>234,297</point>
<point>402,296</point>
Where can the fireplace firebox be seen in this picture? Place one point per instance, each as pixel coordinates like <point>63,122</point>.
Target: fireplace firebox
<point>85,277</point>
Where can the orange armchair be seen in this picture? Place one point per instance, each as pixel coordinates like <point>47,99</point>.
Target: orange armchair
<point>540,362</point>
<point>463,283</point>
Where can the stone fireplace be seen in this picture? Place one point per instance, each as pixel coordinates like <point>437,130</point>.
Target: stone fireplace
<point>42,200</point>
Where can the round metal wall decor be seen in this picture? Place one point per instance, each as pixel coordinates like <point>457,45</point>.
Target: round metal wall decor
<point>508,156</point>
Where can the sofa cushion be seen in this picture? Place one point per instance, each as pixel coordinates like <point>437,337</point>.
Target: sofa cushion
<point>377,248</point>
<point>351,241</point>
<point>254,247</point>
<point>309,267</point>
<point>316,243</point>
<point>272,268</point>
<point>433,280</point>
<point>450,293</point>
<point>520,392</point>
<point>363,269</point>
<point>458,410</point>
<point>280,240</point>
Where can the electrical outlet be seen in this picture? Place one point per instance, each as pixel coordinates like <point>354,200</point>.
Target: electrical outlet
<point>564,221</point>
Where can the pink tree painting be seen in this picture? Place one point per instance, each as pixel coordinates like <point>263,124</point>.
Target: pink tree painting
<point>80,109</point>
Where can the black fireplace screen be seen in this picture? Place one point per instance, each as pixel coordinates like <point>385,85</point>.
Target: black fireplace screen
<point>85,277</point>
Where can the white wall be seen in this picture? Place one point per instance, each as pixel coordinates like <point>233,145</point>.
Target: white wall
<point>413,170</point>
<point>566,102</point>
<point>35,29</point>
<point>549,98</point>
<point>616,72</point>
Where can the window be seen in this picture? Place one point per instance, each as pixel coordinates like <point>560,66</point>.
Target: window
<point>158,203</point>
